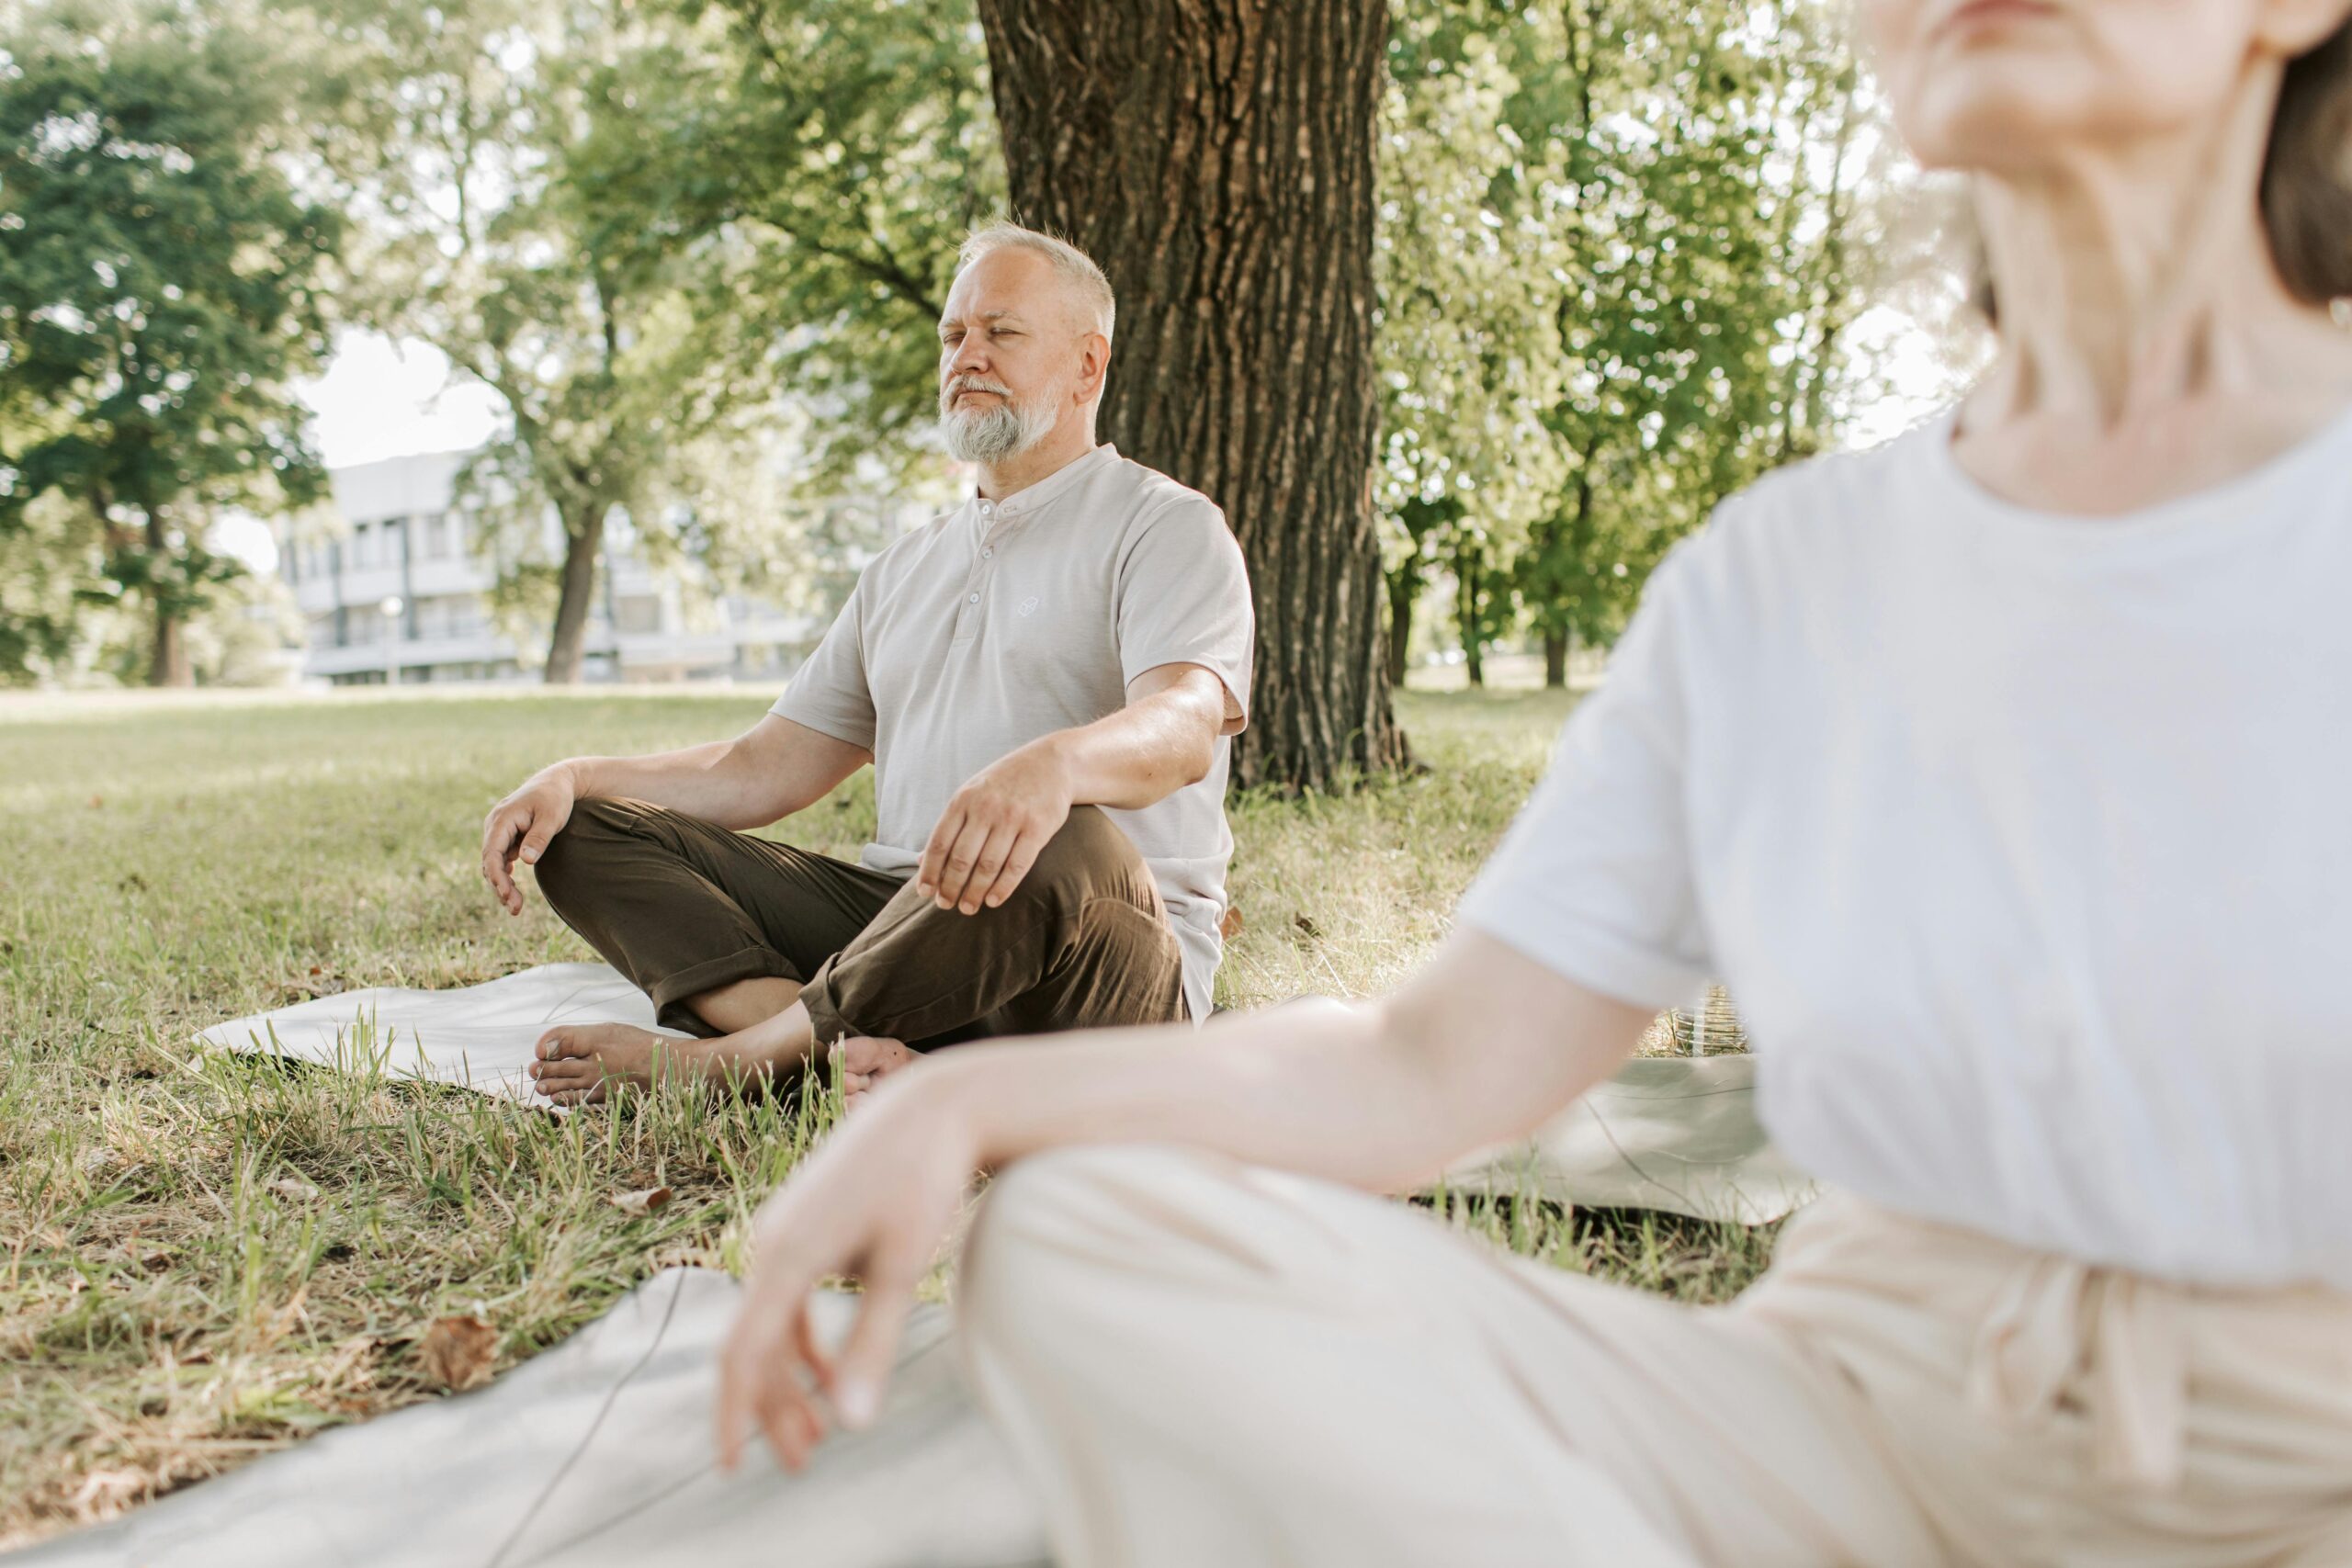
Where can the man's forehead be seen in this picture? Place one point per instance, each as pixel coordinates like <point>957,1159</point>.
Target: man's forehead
<point>1002,284</point>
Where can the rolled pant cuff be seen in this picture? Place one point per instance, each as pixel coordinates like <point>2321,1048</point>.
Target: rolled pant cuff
<point>743,964</point>
<point>826,1024</point>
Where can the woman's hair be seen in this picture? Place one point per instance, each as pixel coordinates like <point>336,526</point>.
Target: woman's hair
<point>2307,174</point>
<point>2306,180</point>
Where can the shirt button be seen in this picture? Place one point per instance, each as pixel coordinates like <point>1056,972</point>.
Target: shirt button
<point>976,599</point>
<point>989,554</point>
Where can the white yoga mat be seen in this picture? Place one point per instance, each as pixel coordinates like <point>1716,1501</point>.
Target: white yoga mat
<point>1677,1133</point>
<point>479,1037</point>
<point>598,1454</point>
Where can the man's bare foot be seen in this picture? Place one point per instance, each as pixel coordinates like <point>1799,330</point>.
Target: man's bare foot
<point>577,1064</point>
<point>866,1060</point>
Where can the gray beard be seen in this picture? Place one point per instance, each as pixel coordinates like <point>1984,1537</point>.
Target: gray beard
<point>992,435</point>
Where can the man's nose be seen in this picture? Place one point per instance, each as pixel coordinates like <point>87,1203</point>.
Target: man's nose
<point>971,355</point>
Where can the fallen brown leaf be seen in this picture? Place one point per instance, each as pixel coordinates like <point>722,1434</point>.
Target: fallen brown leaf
<point>457,1351</point>
<point>1230,927</point>
<point>1306,927</point>
<point>636,1205</point>
<point>104,1492</point>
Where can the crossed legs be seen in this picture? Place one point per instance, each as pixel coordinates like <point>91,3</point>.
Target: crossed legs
<point>771,957</point>
<point>1197,1362</point>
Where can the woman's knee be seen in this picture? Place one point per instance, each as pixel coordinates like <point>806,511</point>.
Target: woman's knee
<point>1065,1211</point>
<point>1064,1238</point>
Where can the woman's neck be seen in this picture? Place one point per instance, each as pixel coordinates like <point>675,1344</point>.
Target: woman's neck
<point>2133,281</point>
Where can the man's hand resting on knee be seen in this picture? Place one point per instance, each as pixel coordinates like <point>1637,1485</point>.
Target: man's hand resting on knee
<point>521,825</point>
<point>995,827</point>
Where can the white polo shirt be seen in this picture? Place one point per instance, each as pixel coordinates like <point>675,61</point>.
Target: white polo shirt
<point>1004,621</point>
<point>2024,841</point>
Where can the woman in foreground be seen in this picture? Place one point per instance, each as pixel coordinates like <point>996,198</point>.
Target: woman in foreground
<point>2001,771</point>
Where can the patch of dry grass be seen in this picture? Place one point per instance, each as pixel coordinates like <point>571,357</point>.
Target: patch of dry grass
<point>205,1257</point>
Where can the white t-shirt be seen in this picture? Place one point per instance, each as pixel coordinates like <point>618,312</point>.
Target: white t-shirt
<point>2024,842</point>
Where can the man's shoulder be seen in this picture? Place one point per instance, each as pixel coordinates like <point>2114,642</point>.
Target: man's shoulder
<point>1154,495</point>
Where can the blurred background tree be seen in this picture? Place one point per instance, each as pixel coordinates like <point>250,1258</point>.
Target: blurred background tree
<point>476,139</point>
<point>161,284</point>
<point>1676,189</point>
<point>1610,264</point>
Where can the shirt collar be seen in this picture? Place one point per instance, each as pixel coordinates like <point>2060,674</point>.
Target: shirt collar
<point>1022,503</point>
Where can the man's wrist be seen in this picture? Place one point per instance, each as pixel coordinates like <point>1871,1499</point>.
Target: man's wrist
<point>1058,749</point>
<point>574,771</point>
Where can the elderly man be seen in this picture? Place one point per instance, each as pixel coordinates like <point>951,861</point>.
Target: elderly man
<point>1045,679</point>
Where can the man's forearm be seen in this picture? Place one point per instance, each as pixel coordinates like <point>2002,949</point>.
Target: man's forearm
<point>701,781</point>
<point>1141,754</point>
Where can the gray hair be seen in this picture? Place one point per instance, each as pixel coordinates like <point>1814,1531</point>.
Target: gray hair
<point>1072,265</point>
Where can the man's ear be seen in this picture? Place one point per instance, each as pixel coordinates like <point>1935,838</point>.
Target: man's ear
<point>1093,364</point>
<point>2296,27</point>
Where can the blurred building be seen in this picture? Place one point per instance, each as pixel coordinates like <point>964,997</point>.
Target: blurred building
<point>395,532</point>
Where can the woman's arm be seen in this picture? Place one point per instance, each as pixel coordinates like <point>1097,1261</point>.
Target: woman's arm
<point>1481,1045</point>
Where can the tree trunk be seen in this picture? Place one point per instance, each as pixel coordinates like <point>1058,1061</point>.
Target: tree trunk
<point>169,666</point>
<point>1469,613</point>
<point>167,663</point>
<point>584,536</point>
<point>1215,156</point>
<point>1555,659</point>
<point>1404,588</point>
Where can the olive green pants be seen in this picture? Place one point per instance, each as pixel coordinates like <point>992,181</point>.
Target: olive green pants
<point>683,907</point>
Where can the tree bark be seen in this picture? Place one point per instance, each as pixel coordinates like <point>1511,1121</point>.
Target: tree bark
<point>1555,659</point>
<point>583,537</point>
<point>167,661</point>
<point>1215,156</point>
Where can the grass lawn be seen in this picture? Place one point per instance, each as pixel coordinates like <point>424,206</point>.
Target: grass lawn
<point>207,1257</point>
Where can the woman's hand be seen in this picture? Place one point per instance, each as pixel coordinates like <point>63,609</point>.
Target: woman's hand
<point>874,1201</point>
<point>521,825</point>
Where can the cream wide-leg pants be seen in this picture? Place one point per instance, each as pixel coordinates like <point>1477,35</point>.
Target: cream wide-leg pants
<point>1205,1364</point>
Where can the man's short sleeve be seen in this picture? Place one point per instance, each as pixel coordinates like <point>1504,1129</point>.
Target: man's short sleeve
<point>828,692</point>
<point>1594,879</point>
<point>1183,598</point>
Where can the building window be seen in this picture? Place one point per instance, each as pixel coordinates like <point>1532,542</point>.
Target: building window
<point>637,615</point>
